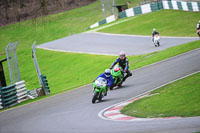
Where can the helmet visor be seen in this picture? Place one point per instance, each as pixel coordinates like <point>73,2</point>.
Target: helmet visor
<point>122,57</point>
<point>107,74</point>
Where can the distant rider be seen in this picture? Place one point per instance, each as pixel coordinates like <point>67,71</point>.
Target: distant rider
<point>154,33</point>
<point>110,81</point>
<point>198,28</point>
<point>123,62</point>
<point>198,25</point>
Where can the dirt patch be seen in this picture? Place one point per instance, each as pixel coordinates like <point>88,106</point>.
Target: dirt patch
<point>12,11</point>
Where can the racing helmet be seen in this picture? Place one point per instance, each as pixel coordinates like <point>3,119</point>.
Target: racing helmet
<point>122,55</point>
<point>154,29</point>
<point>199,21</point>
<point>107,73</point>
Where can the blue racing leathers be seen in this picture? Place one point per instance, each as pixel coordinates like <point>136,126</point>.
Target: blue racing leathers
<point>110,80</point>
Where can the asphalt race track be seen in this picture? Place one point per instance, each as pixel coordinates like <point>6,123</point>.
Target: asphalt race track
<point>100,43</point>
<point>73,112</point>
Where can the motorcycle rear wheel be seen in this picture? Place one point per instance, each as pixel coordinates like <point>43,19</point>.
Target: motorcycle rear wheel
<point>158,43</point>
<point>120,84</point>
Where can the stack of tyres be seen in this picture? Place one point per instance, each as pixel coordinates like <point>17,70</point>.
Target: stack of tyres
<point>45,84</point>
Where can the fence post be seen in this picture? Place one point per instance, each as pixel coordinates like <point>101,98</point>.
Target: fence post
<point>36,63</point>
<point>42,84</point>
<point>13,62</point>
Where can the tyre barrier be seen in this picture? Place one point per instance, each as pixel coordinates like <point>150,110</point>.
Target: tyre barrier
<point>45,84</point>
<point>13,94</point>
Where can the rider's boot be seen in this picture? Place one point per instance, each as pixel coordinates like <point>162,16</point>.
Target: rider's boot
<point>129,74</point>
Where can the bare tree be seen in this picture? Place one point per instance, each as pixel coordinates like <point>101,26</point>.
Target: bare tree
<point>43,6</point>
<point>21,4</point>
<point>15,9</point>
<point>6,6</point>
<point>61,3</point>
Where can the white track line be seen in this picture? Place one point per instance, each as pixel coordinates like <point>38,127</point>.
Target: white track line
<point>111,34</point>
<point>58,50</point>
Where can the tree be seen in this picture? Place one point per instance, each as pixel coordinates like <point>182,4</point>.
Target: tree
<point>5,3</point>
<point>43,6</point>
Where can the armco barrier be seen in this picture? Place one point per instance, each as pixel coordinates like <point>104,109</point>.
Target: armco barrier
<point>152,7</point>
<point>107,20</point>
<point>12,94</point>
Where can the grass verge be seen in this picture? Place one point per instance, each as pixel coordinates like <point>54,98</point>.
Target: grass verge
<point>180,98</point>
<point>167,22</point>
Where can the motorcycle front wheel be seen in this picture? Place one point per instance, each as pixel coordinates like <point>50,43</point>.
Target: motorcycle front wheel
<point>95,97</point>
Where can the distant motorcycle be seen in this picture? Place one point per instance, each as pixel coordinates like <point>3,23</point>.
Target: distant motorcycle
<point>99,89</point>
<point>198,33</point>
<point>117,75</point>
<point>156,40</point>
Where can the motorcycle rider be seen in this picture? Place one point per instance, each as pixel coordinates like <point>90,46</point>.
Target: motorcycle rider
<point>123,62</point>
<point>198,28</point>
<point>154,33</point>
<point>110,81</point>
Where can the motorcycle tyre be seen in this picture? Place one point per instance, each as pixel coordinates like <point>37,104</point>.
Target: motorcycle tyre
<point>198,34</point>
<point>111,88</point>
<point>95,97</point>
<point>158,43</point>
<point>120,84</point>
<point>100,97</point>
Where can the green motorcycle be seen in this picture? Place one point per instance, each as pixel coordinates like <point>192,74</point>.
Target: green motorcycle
<point>99,89</point>
<point>117,75</point>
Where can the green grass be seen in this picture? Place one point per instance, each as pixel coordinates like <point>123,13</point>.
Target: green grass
<point>180,98</point>
<point>51,27</point>
<point>66,71</point>
<point>167,23</point>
